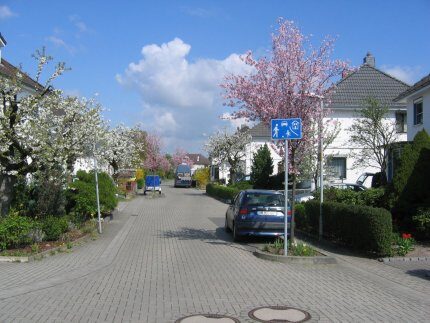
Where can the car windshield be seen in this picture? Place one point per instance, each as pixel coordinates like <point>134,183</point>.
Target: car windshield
<point>256,199</point>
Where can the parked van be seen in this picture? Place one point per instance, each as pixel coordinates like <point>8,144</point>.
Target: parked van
<point>183,176</point>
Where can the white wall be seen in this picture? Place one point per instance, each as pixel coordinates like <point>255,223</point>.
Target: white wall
<point>413,129</point>
<point>342,148</point>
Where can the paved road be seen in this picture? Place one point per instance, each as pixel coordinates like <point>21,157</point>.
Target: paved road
<point>164,258</point>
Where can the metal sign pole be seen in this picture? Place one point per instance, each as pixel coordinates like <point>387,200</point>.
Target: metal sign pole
<point>97,191</point>
<point>286,200</point>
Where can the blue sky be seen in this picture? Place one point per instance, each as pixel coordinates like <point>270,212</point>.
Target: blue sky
<point>180,50</point>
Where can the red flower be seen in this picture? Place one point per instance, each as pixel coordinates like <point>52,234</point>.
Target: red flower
<point>406,236</point>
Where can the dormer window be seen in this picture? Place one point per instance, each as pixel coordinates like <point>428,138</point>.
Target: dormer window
<point>418,111</point>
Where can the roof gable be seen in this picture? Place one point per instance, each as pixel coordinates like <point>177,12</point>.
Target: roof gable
<point>199,159</point>
<point>9,71</point>
<point>367,81</point>
<point>421,84</point>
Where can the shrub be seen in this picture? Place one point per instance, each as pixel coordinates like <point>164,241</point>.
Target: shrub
<point>411,188</point>
<point>422,222</point>
<point>245,185</point>
<point>54,227</point>
<point>361,227</point>
<point>202,176</point>
<point>221,192</point>
<point>373,197</point>
<point>82,194</point>
<point>140,183</point>
<point>14,230</point>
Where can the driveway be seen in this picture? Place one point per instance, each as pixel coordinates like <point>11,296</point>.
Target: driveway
<point>167,257</point>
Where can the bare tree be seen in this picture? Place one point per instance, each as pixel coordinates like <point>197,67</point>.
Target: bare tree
<point>372,132</point>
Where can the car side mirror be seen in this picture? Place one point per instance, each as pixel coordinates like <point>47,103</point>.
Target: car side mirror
<point>230,201</point>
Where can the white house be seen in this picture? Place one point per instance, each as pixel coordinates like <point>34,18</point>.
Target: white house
<point>418,106</point>
<point>199,161</point>
<point>350,95</point>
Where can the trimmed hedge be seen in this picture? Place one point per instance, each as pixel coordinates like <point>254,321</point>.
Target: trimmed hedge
<point>360,227</point>
<point>221,192</point>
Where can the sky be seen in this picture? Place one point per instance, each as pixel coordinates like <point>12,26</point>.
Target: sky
<point>159,63</point>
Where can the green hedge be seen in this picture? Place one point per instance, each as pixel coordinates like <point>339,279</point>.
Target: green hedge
<point>221,192</point>
<point>15,230</point>
<point>361,227</point>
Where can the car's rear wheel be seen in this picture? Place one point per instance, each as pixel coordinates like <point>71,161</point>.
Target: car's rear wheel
<point>226,227</point>
<point>236,237</point>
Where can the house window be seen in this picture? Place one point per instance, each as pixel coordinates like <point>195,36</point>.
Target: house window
<point>337,167</point>
<point>418,111</point>
<point>401,123</point>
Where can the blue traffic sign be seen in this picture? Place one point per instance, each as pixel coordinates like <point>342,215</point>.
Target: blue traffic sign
<point>283,129</point>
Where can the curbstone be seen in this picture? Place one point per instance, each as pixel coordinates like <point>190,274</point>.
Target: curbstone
<point>403,259</point>
<point>317,260</point>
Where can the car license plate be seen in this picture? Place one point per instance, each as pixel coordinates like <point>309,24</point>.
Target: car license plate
<point>267,213</point>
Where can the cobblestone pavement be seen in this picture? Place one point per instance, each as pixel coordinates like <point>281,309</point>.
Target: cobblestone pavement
<point>164,258</point>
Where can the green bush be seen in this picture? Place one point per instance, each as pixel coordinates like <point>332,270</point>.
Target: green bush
<point>221,192</point>
<point>82,194</point>
<point>140,183</point>
<point>373,197</point>
<point>54,227</point>
<point>422,222</point>
<point>15,230</point>
<point>245,185</point>
<point>411,186</point>
<point>361,227</point>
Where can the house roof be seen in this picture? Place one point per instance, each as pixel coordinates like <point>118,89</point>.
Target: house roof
<point>199,159</point>
<point>260,130</point>
<point>2,39</point>
<point>368,81</point>
<point>425,81</point>
<point>8,70</point>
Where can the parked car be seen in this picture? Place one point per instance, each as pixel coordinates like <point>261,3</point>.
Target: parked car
<point>256,213</point>
<point>152,183</point>
<point>349,186</point>
<point>183,176</point>
<point>303,197</point>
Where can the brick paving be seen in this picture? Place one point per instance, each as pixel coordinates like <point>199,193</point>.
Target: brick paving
<point>173,260</point>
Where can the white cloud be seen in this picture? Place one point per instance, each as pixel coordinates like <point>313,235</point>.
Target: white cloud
<point>6,12</point>
<point>59,42</point>
<point>198,12</point>
<point>181,96</point>
<point>407,74</point>
<point>78,23</point>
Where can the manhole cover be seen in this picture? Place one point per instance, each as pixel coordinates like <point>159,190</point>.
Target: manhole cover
<point>279,314</point>
<point>210,318</point>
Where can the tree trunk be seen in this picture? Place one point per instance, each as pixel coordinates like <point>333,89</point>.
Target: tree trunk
<point>7,183</point>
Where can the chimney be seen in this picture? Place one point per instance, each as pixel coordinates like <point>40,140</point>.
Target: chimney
<point>369,60</point>
<point>2,44</point>
<point>198,158</point>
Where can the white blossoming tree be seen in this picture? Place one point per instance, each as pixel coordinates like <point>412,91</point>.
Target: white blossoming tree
<point>229,148</point>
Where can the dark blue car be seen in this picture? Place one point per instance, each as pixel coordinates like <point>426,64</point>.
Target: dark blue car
<point>256,213</point>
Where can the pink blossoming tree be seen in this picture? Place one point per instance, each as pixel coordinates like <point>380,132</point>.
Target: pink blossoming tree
<point>287,85</point>
<point>180,156</point>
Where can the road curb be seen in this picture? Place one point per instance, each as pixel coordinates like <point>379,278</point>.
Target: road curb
<point>404,259</point>
<point>317,260</point>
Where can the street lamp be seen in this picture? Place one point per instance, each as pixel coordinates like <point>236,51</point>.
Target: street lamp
<point>97,190</point>
<point>320,160</point>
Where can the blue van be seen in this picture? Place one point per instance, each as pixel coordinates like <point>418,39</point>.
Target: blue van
<point>183,176</point>
<point>152,183</point>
